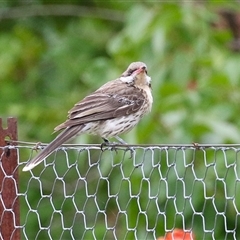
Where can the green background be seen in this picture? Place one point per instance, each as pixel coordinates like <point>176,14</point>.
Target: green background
<point>52,54</point>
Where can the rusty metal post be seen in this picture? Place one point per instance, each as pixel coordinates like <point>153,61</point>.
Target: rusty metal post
<point>9,202</point>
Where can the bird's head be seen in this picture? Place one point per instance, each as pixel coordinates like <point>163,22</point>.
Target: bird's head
<point>136,74</point>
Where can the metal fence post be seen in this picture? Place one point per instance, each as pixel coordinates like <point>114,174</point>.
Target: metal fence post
<point>9,202</point>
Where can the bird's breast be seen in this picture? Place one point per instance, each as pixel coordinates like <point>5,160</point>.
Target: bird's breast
<point>117,126</point>
<point>147,92</point>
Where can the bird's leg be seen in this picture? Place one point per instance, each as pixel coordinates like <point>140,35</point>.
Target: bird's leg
<point>120,140</point>
<point>105,143</point>
<point>128,148</point>
<point>111,144</point>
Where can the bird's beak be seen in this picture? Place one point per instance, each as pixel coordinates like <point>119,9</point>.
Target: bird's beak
<point>140,70</point>
<point>133,76</point>
<point>143,72</point>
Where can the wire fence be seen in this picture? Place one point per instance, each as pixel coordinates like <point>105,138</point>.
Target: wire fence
<point>142,192</point>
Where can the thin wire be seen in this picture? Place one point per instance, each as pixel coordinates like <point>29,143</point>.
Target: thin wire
<point>157,181</point>
<point>168,145</point>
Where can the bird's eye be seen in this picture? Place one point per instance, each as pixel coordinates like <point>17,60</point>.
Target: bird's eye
<point>130,71</point>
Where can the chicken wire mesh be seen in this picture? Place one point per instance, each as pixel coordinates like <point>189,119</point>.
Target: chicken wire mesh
<point>83,192</point>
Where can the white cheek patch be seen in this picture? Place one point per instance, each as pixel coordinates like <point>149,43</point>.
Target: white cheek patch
<point>148,79</point>
<point>128,79</point>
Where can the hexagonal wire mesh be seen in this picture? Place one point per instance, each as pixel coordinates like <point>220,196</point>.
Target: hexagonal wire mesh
<point>82,192</point>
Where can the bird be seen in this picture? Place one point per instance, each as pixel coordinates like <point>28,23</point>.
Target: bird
<point>113,109</point>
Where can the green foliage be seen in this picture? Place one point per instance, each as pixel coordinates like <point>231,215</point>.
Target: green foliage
<point>49,63</point>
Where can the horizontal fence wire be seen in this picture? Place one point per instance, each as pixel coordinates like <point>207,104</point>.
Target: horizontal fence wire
<point>130,192</point>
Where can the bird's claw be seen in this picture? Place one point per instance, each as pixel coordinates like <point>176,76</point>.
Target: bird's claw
<point>110,145</point>
<point>131,152</point>
<point>103,145</point>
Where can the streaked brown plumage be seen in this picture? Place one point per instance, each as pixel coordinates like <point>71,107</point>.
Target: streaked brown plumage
<point>114,108</point>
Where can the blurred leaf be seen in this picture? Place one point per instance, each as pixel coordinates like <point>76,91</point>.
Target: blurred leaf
<point>49,63</point>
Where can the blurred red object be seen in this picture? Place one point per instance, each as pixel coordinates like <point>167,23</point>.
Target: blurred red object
<point>178,234</point>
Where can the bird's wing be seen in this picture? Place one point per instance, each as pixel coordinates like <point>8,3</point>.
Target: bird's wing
<point>116,99</point>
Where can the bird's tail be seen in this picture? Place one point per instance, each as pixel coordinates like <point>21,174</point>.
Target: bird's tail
<point>59,140</point>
